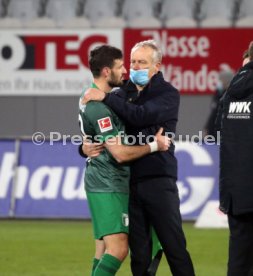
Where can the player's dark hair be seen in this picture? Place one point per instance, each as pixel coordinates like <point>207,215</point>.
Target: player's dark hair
<point>103,56</point>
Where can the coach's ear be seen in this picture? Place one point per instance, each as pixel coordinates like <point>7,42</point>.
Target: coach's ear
<point>157,67</point>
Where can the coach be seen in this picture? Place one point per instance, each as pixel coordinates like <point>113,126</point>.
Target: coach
<point>236,168</point>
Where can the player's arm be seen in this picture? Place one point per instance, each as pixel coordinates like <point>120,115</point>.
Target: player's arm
<point>108,133</point>
<point>154,111</point>
<point>123,153</point>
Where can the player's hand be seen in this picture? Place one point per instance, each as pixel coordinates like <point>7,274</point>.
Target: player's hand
<point>163,142</point>
<point>92,149</point>
<point>93,94</point>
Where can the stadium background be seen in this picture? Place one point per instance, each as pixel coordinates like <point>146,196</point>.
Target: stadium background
<point>43,67</point>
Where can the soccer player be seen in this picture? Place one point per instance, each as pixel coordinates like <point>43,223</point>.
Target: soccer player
<point>106,178</point>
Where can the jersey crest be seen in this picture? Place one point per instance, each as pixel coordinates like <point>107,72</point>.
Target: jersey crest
<point>105,124</point>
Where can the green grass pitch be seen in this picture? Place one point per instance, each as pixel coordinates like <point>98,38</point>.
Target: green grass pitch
<point>65,248</point>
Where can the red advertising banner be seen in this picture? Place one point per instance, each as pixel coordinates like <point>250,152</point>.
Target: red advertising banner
<point>193,58</point>
<point>49,62</point>
<point>55,62</point>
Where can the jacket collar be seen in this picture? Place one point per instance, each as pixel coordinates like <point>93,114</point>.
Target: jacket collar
<point>242,84</point>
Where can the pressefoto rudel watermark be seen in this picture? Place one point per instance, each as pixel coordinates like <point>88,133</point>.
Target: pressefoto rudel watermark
<point>39,138</point>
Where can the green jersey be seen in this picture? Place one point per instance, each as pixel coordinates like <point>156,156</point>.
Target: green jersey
<point>103,173</point>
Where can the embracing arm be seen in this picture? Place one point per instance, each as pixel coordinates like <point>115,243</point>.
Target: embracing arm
<point>123,153</point>
<point>155,111</point>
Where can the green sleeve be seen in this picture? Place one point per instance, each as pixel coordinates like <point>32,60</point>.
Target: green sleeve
<point>101,119</point>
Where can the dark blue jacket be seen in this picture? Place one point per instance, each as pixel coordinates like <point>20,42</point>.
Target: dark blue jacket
<point>145,112</point>
<point>236,150</point>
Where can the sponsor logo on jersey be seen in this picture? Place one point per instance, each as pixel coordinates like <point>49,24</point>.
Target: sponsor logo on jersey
<point>105,124</point>
<point>239,110</point>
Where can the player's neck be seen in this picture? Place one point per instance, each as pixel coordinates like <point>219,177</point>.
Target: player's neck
<point>102,85</point>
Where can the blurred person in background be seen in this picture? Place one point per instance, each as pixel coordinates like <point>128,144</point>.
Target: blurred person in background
<point>146,103</point>
<point>106,179</point>
<point>225,76</point>
<point>236,167</point>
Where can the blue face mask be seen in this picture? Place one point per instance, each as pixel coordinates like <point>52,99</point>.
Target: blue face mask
<point>139,77</point>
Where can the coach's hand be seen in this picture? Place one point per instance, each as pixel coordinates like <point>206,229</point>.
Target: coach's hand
<point>163,142</point>
<point>93,94</point>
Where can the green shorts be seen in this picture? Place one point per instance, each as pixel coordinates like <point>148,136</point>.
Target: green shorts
<point>109,213</point>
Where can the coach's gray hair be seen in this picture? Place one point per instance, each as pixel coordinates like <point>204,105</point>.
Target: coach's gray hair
<point>157,53</point>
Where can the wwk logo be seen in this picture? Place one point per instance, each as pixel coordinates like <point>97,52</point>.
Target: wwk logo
<point>239,110</point>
